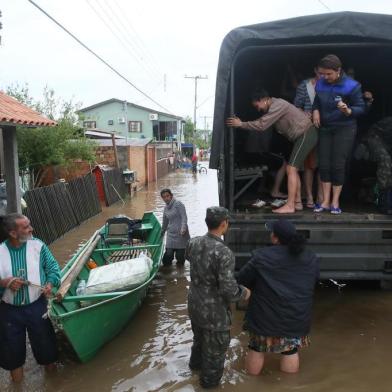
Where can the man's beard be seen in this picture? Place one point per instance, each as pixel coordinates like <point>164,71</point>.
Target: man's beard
<point>25,238</point>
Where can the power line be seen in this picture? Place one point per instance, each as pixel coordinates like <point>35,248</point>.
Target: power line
<point>98,57</point>
<point>324,5</point>
<point>120,40</point>
<point>139,47</point>
<point>209,97</point>
<point>142,44</point>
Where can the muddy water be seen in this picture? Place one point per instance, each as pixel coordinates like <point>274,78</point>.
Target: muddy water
<point>351,341</point>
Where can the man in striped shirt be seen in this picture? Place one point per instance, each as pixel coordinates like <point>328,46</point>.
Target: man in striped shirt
<point>28,272</point>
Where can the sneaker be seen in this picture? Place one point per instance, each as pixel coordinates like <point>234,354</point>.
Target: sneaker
<point>259,203</point>
<point>278,203</point>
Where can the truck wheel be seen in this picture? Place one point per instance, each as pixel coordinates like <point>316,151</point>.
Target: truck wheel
<point>386,284</point>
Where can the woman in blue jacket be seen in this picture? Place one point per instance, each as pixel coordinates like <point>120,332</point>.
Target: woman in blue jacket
<point>337,104</point>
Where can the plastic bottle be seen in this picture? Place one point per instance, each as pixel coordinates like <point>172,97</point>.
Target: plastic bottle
<point>81,287</point>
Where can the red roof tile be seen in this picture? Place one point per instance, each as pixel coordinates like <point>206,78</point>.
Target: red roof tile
<point>14,112</point>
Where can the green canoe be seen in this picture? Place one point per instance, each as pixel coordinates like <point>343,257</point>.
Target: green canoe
<point>90,321</point>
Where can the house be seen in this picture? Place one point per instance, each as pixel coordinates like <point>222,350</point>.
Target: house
<point>132,121</point>
<point>13,114</point>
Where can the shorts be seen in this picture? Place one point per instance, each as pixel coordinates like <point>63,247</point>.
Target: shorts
<point>14,322</point>
<point>303,145</point>
<point>276,344</point>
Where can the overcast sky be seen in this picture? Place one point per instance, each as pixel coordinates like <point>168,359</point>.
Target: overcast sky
<point>143,40</point>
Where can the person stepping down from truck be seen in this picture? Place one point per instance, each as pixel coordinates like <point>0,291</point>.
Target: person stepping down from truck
<point>293,124</point>
<point>337,105</point>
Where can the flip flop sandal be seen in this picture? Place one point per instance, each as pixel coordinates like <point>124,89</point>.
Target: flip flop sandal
<point>336,210</point>
<point>320,209</point>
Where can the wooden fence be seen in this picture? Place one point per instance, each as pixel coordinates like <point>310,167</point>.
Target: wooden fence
<point>113,183</point>
<point>55,209</point>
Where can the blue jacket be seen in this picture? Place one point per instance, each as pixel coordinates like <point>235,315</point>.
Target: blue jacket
<point>325,101</point>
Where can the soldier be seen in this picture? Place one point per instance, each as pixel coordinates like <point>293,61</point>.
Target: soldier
<point>213,287</point>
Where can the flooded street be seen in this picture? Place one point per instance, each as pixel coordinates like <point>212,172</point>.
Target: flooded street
<point>351,336</point>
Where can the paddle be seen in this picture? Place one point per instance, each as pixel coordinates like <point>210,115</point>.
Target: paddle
<point>77,266</point>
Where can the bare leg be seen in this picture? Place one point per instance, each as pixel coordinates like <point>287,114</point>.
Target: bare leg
<point>320,196</point>
<point>17,374</point>
<point>308,178</point>
<point>326,194</point>
<point>298,195</point>
<point>289,363</point>
<point>336,191</point>
<point>292,185</point>
<point>275,191</point>
<point>254,362</point>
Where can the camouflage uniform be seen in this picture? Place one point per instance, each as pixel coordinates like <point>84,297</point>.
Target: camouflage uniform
<point>213,287</point>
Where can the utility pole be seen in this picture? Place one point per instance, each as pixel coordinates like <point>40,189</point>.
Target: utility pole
<point>195,78</point>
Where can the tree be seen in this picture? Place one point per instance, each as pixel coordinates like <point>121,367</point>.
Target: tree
<point>195,137</point>
<point>39,148</point>
<point>189,130</point>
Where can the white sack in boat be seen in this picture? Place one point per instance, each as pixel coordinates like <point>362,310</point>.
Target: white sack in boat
<point>123,275</point>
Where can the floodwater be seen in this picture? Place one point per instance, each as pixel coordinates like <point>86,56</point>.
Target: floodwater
<point>351,339</point>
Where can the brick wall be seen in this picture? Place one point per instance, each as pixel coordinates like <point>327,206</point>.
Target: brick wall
<point>138,162</point>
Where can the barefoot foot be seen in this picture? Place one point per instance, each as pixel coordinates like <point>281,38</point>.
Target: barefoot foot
<point>284,210</point>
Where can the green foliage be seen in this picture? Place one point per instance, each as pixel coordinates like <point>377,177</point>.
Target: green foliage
<point>39,148</point>
<point>196,137</point>
<point>189,129</point>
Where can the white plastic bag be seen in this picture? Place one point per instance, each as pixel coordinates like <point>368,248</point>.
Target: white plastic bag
<point>123,275</point>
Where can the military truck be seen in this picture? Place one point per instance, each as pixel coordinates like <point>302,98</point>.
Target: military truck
<point>356,245</point>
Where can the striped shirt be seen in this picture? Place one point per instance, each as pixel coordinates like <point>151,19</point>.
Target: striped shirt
<point>302,99</point>
<point>32,261</point>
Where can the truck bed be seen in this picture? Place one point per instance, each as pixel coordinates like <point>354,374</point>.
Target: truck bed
<point>349,246</point>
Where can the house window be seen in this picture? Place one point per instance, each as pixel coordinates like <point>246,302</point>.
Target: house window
<point>89,124</point>
<point>135,126</point>
<point>110,122</point>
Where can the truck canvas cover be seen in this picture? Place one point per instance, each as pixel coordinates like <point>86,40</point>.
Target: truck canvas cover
<point>341,27</point>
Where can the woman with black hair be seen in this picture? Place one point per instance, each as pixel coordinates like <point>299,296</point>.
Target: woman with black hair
<point>282,280</point>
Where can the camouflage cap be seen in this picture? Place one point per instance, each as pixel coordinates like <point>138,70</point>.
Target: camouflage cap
<point>218,213</point>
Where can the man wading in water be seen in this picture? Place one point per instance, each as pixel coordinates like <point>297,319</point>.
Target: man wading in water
<point>28,271</point>
<point>212,289</point>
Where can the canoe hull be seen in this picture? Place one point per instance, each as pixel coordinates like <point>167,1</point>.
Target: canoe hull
<point>88,328</point>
